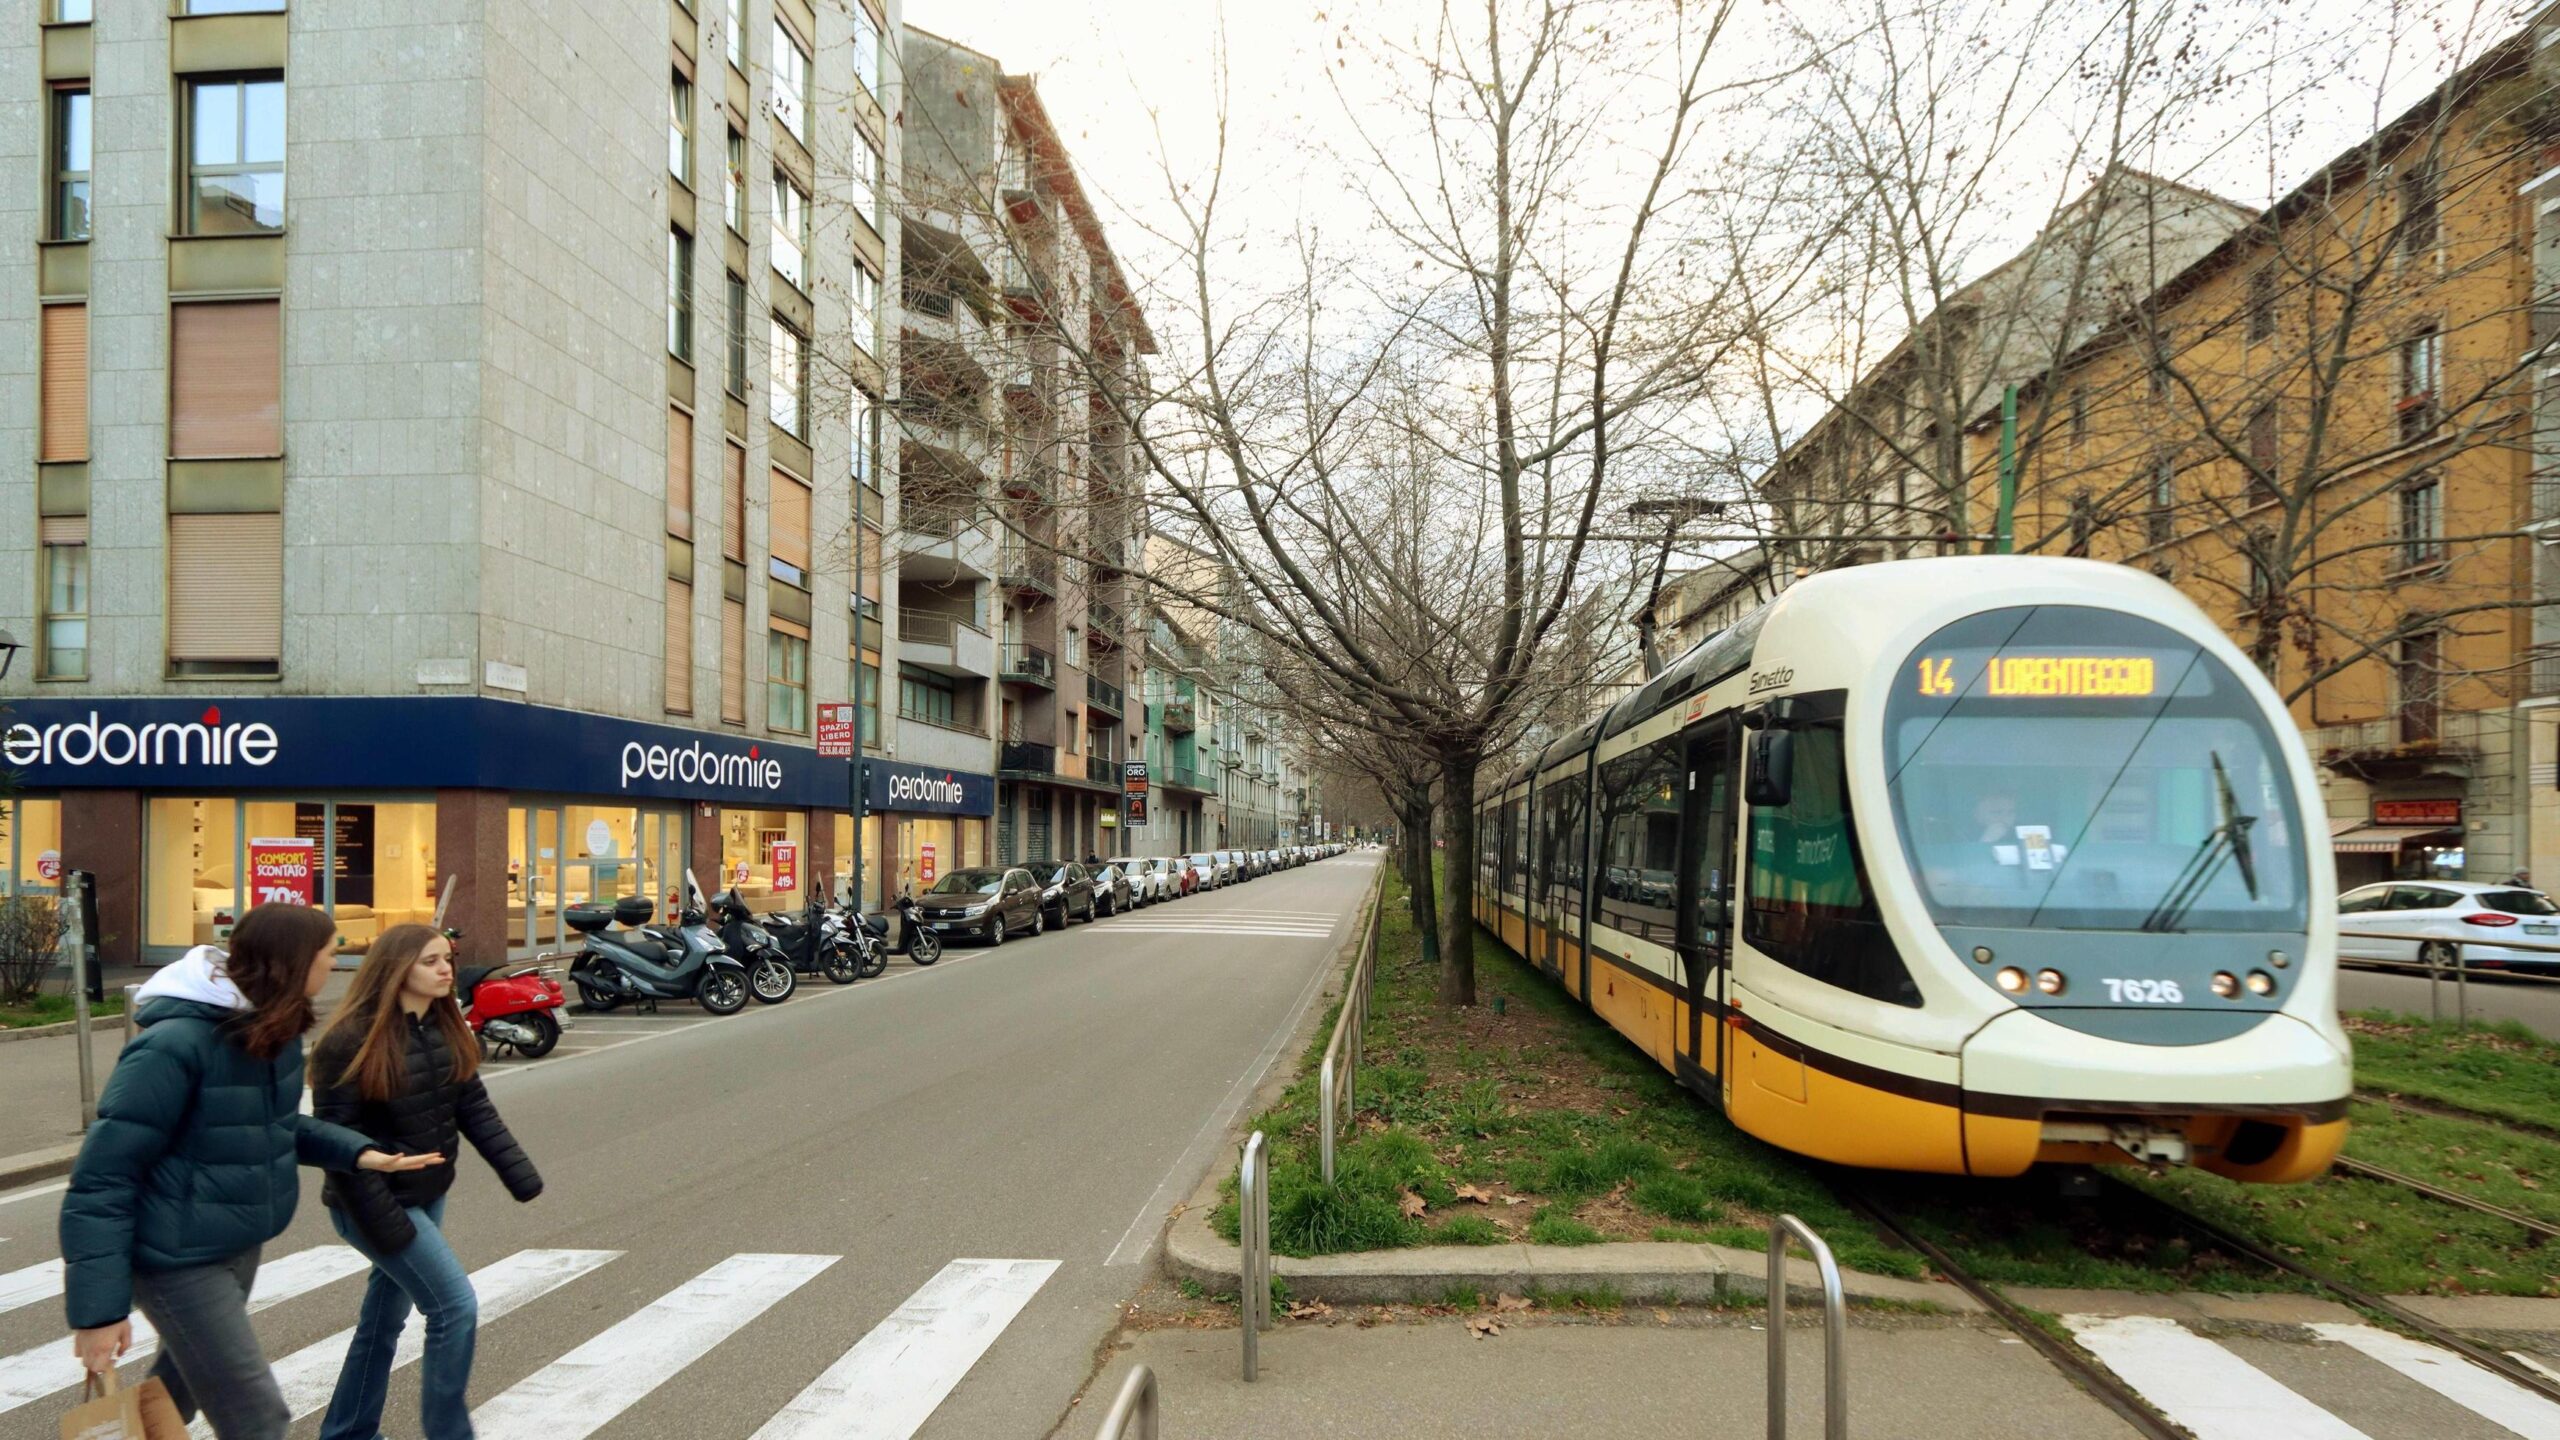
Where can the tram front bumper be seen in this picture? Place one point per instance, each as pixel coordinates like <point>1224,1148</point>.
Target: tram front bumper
<point>2268,1104</point>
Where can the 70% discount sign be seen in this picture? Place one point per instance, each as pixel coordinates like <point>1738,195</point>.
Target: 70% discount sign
<point>283,872</point>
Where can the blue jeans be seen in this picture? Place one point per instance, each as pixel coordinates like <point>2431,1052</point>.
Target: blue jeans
<point>428,1277</point>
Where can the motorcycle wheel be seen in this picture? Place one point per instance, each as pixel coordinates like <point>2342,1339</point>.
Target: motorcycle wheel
<point>772,979</point>
<point>923,947</point>
<point>546,1034</point>
<point>723,992</point>
<point>590,998</point>
<point>843,967</point>
<point>875,960</point>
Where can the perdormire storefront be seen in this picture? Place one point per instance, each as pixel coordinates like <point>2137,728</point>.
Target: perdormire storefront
<point>931,820</point>
<point>182,806</point>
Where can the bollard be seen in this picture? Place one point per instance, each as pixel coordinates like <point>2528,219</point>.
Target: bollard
<point>1835,1329</point>
<point>1253,1230</point>
<point>1137,1403</point>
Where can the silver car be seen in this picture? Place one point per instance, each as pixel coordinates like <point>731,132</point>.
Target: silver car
<point>1216,868</point>
<point>1149,880</point>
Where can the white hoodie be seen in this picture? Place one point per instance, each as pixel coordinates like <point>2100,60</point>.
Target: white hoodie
<point>198,976</point>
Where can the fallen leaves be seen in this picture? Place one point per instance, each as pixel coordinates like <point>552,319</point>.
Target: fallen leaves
<point>1476,1193</point>
<point>1506,1304</point>
<point>1310,1310</point>
<point>1484,1326</point>
<point>1412,1205</point>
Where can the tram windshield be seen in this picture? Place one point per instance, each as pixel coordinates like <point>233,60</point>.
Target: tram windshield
<point>2064,767</point>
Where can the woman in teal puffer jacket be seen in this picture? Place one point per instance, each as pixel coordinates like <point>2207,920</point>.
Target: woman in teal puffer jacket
<point>190,1168</point>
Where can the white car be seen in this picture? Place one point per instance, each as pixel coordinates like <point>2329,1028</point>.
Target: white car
<point>2443,922</point>
<point>1149,880</point>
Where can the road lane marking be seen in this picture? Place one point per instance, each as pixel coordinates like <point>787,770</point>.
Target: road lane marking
<point>31,1375</point>
<point>1258,931</point>
<point>309,1376</point>
<point>579,1393</point>
<point>2490,1396</point>
<point>32,1191</point>
<point>2538,1367</point>
<point>2209,1390</point>
<point>896,1376</point>
<point>21,1288</point>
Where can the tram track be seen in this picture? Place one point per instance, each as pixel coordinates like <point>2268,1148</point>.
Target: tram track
<point>2447,1110</point>
<point>2540,1230</point>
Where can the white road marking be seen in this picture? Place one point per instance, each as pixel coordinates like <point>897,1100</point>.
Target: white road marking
<point>31,1375</point>
<point>892,1381</point>
<point>32,1191</point>
<point>579,1393</point>
<point>21,1288</point>
<point>2209,1390</point>
<point>2534,1365</point>
<point>1229,931</point>
<point>309,1375</point>
<point>2482,1392</point>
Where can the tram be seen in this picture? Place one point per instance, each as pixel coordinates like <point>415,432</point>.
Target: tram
<point>1951,865</point>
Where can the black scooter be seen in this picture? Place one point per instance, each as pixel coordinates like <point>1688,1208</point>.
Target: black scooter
<point>645,966</point>
<point>810,943</point>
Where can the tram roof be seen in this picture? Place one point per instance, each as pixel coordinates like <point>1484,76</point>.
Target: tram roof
<point>1705,663</point>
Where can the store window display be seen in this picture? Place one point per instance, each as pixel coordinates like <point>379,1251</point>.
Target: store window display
<point>375,864</point>
<point>874,866</point>
<point>31,857</point>
<point>765,855</point>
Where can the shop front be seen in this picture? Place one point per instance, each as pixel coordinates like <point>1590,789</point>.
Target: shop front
<point>933,821</point>
<point>2400,839</point>
<point>191,811</point>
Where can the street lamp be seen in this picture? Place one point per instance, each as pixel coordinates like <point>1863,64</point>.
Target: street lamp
<point>9,648</point>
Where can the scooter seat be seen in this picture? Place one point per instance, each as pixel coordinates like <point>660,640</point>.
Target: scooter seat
<point>646,944</point>
<point>467,979</point>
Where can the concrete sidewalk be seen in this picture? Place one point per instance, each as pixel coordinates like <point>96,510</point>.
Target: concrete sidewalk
<point>1633,1380</point>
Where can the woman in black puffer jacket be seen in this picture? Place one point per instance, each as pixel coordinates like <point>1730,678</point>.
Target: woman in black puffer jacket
<point>398,1064</point>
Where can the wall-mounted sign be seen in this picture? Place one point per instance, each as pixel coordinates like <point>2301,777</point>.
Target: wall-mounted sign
<point>283,871</point>
<point>835,730</point>
<point>894,785</point>
<point>2417,812</point>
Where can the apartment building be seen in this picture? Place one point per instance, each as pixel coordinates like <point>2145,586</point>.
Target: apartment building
<point>1229,768</point>
<point>442,443</point>
<point>1021,329</point>
<point>2335,432</point>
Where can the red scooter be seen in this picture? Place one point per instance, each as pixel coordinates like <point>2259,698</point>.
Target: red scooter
<point>512,1008</point>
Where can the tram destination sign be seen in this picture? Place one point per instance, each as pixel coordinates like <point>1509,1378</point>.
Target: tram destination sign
<point>2042,677</point>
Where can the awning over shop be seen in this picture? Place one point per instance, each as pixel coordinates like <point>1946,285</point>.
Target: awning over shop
<point>2359,837</point>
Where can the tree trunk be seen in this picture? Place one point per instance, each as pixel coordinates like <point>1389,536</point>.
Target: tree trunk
<point>1458,879</point>
<point>1413,859</point>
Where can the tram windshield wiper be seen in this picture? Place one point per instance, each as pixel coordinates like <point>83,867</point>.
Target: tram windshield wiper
<point>2227,841</point>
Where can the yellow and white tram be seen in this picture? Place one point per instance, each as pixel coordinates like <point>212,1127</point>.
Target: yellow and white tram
<point>1951,865</point>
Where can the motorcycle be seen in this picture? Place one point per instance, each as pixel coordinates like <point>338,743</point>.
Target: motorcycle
<point>512,1008</point>
<point>684,962</point>
<point>923,946</point>
<point>771,977</point>
<point>813,942</point>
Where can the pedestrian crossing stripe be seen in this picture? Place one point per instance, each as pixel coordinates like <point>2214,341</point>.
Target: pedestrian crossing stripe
<point>2491,1396</point>
<point>577,1394</point>
<point>2214,1393</point>
<point>21,1288</point>
<point>896,1376</point>
<point>1269,932</point>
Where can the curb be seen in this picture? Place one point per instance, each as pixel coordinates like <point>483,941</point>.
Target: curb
<point>62,1027</point>
<point>35,1165</point>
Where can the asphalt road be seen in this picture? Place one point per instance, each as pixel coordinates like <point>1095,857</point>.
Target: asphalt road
<point>755,1225</point>
<point>2530,1000</point>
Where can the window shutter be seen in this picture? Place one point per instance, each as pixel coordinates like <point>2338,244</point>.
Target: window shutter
<point>871,561</point>
<point>790,516</point>
<point>66,383</point>
<point>679,648</point>
<point>226,587</point>
<point>679,474</point>
<point>225,369</point>
<point>62,530</point>
<point>733,661</point>
<point>791,628</point>
<point>733,501</point>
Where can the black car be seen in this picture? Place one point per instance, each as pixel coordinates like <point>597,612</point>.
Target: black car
<point>984,903</point>
<point>1066,890</point>
<point>1114,891</point>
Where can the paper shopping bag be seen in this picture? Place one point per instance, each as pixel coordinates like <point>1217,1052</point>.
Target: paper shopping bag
<point>105,1412</point>
<point>160,1419</point>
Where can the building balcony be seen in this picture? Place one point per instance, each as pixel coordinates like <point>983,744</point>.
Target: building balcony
<point>1186,777</point>
<point>2418,743</point>
<point>1180,717</point>
<point>1102,769</point>
<point>1027,569</point>
<point>1233,759</point>
<point>1106,624</point>
<point>1029,665</point>
<point>1029,760</point>
<point>1101,694</point>
<point>944,742</point>
<point>941,547</point>
<point>945,644</point>
<point>1031,480</point>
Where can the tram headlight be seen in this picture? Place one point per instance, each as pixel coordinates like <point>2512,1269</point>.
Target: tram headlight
<point>1981,954</point>
<point>2011,979</point>
<point>2279,959</point>
<point>2261,983</point>
<point>2049,981</point>
<point>2225,984</point>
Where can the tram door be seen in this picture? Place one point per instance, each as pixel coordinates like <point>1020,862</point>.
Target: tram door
<point>1706,891</point>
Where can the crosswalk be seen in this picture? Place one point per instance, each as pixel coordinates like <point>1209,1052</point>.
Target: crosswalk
<point>1266,924</point>
<point>2218,1394</point>
<point>885,1386</point>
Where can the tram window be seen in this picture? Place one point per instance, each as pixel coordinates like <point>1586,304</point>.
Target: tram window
<point>1809,908</point>
<point>1711,880</point>
<point>1639,840</point>
<point>1515,848</point>
<point>1572,844</point>
<point>1488,848</point>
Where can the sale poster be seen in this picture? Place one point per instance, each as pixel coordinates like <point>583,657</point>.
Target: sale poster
<point>786,866</point>
<point>927,863</point>
<point>283,872</point>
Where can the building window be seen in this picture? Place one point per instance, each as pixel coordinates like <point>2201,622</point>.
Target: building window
<point>2160,520</point>
<point>679,669</point>
<point>787,530</point>
<point>69,212</point>
<point>2417,683</point>
<point>733,501</point>
<point>1075,646</point>
<point>2159,367</point>
<point>786,683</point>
<point>225,368</point>
<point>733,661</point>
<point>790,378</point>
<point>2262,303</point>
<point>734,194</point>
<point>864,303</point>
<point>929,699</point>
<point>226,594</point>
<point>71,12</point>
<point>866,48</point>
<point>2419,204</point>
<point>66,596</point>
<point>738,34</point>
<point>63,401</point>
<point>680,295</point>
<point>790,81</point>
<point>2263,454</point>
<point>2079,418</point>
<point>235,155</point>
<point>680,128</point>
<point>790,229</point>
<point>866,695</point>
<point>862,184</point>
<point>2421,522</point>
<point>737,378</point>
<point>232,7</point>
<point>679,473</point>
<point>2421,375</point>
<point>865,420</point>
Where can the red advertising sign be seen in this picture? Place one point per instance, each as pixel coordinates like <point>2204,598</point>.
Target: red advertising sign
<point>926,863</point>
<point>835,731</point>
<point>786,865</point>
<point>283,872</point>
<point>49,866</point>
<point>2417,812</point>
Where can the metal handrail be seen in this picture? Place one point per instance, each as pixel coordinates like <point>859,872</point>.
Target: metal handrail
<point>1835,1332</point>
<point>1253,1234</point>
<point>1137,1403</point>
<point>1336,1102</point>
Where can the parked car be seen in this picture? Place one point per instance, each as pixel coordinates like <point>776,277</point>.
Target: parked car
<point>1184,875</point>
<point>1066,890</point>
<point>983,903</point>
<point>2448,922</point>
<point>1150,879</point>
<point>1114,892</point>
<point>1237,873</point>
<point>1212,868</point>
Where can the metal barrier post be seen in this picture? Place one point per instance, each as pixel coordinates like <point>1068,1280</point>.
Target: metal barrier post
<point>1253,1229</point>
<point>2461,989</point>
<point>1338,1098</point>
<point>1835,1328</point>
<point>131,992</point>
<point>1137,1402</point>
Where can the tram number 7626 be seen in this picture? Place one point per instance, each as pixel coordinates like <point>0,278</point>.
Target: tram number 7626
<point>2145,992</point>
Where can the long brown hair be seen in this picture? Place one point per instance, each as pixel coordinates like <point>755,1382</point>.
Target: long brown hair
<point>371,1017</point>
<point>270,962</point>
